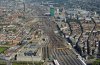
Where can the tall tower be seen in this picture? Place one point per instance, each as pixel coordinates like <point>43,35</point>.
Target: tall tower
<point>24,6</point>
<point>52,11</point>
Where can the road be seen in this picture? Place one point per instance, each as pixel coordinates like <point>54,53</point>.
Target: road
<point>88,44</point>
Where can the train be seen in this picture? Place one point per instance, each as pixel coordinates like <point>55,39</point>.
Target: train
<point>55,62</point>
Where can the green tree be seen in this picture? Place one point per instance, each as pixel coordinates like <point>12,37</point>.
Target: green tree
<point>96,62</point>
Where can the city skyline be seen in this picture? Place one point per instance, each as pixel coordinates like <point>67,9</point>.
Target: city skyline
<point>49,32</point>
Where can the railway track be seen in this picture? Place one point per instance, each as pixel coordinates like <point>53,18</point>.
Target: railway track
<point>64,56</point>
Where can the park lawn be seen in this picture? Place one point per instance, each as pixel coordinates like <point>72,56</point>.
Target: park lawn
<point>2,49</point>
<point>21,63</point>
<point>27,63</point>
<point>96,62</point>
<point>3,63</point>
